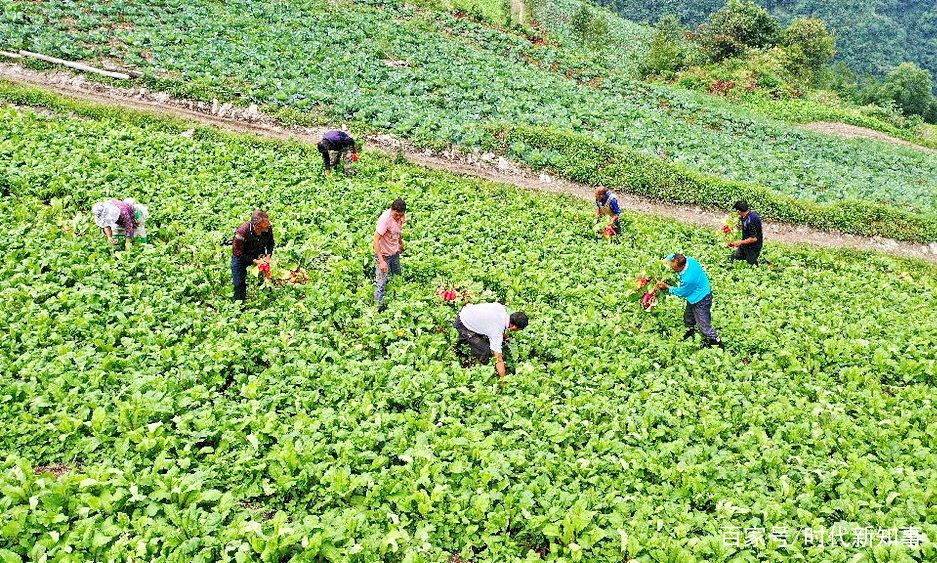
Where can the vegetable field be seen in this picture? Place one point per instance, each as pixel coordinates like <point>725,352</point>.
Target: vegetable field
<point>437,79</point>
<point>147,417</point>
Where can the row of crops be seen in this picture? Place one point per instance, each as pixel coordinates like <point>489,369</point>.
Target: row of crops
<point>306,426</point>
<point>450,78</point>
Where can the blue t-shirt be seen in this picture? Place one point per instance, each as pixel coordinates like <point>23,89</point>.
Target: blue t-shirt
<point>694,283</point>
<point>609,202</point>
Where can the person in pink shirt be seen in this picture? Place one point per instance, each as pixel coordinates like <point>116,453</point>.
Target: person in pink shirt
<point>388,244</point>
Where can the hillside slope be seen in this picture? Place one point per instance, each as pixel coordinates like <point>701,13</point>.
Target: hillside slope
<point>438,78</point>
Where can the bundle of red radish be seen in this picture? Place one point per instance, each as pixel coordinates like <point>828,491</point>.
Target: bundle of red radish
<point>649,299</point>
<point>450,294</point>
<point>645,291</point>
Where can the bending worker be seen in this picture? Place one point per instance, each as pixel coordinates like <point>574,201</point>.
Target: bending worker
<point>485,327</point>
<point>335,147</point>
<point>695,288</point>
<point>253,243</point>
<point>606,204</point>
<point>121,218</point>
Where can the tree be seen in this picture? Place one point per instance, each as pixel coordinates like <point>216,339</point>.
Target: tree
<point>910,87</point>
<point>668,52</point>
<point>589,26</point>
<point>809,45</point>
<point>739,25</point>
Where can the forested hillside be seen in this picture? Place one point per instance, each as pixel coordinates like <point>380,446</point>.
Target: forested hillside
<point>872,36</point>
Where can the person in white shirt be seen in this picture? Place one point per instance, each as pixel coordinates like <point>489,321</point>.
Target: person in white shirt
<point>484,328</point>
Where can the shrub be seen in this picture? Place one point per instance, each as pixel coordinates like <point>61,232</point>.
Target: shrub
<point>809,45</point>
<point>588,25</point>
<point>739,25</point>
<point>668,52</point>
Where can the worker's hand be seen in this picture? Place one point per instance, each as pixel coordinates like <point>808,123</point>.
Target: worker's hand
<point>499,367</point>
<point>112,240</point>
<point>383,266</point>
<point>732,244</point>
<point>662,285</point>
<point>402,246</point>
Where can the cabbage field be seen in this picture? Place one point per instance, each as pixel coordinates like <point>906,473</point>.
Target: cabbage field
<point>437,78</point>
<point>146,417</point>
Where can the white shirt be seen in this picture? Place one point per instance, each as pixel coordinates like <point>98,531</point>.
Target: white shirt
<point>488,319</point>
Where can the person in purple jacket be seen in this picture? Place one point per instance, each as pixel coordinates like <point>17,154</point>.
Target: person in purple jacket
<point>337,146</point>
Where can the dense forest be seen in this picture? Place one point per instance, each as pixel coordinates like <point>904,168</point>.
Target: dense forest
<point>873,36</point>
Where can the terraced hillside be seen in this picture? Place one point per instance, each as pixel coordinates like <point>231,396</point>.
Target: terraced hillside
<point>438,79</point>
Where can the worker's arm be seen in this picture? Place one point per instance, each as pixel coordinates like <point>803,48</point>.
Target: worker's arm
<point>615,211</point>
<point>375,244</point>
<point>110,235</point>
<point>499,366</point>
<point>743,242</point>
<point>680,291</point>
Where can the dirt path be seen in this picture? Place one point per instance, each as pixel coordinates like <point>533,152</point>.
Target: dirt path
<point>854,132</point>
<point>481,165</point>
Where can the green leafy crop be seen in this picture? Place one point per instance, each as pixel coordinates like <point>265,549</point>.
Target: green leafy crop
<point>307,427</point>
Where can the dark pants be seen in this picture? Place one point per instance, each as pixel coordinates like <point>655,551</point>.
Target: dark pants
<point>699,315</point>
<point>479,344</point>
<point>332,153</point>
<point>746,252</point>
<point>239,276</point>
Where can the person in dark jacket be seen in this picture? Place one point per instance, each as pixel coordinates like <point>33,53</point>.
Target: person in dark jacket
<point>335,147</point>
<point>253,244</point>
<point>749,247</point>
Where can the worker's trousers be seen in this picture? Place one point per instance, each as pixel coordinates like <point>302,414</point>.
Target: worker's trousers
<point>239,276</point>
<point>381,278</point>
<point>699,315</point>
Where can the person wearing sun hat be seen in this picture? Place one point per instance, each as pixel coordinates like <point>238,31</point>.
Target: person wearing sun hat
<point>121,218</point>
<point>696,289</point>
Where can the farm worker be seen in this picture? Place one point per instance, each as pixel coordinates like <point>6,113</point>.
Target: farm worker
<point>606,204</point>
<point>388,245</point>
<point>253,244</point>
<point>484,327</point>
<point>749,247</point>
<point>695,288</point>
<point>335,146</point>
<point>119,218</point>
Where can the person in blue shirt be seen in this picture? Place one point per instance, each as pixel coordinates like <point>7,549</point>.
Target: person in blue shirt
<point>749,247</point>
<point>695,288</point>
<point>606,203</point>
